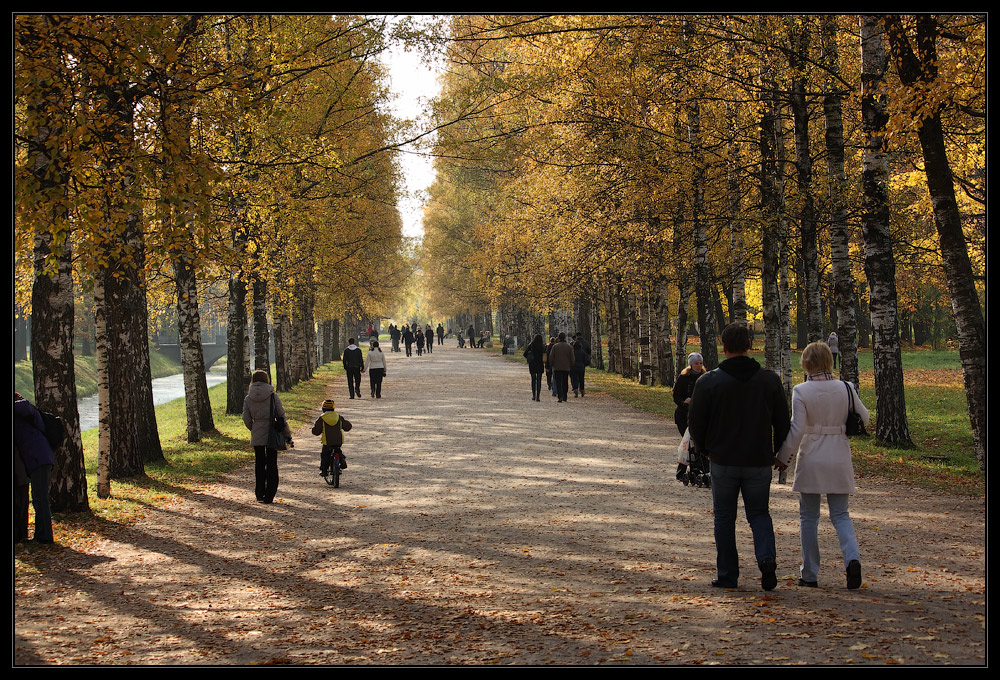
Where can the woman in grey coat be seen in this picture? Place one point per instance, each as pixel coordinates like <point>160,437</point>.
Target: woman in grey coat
<point>257,417</point>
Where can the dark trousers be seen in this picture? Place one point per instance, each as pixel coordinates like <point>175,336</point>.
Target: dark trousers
<point>561,379</point>
<point>729,482</point>
<point>354,381</point>
<point>576,376</point>
<point>266,471</point>
<point>536,385</point>
<point>375,376</point>
<point>40,501</point>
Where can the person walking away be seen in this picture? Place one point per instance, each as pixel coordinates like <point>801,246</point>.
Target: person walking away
<point>375,365</point>
<point>261,408</point>
<point>472,336</point>
<point>534,353</point>
<point>833,342</point>
<point>819,442</point>
<point>548,366</point>
<point>738,416</point>
<point>331,426</point>
<point>561,357</point>
<point>683,389</point>
<point>37,459</point>
<point>354,365</point>
<point>429,338</point>
<point>408,340</point>
<point>581,359</point>
<point>440,331</point>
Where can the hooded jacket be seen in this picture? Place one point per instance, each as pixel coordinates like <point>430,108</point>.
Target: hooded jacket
<point>257,412</point>
<point>738,414</point>
<point>331,425</point>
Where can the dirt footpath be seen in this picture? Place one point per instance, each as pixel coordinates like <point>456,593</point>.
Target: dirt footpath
<point>475,526</point>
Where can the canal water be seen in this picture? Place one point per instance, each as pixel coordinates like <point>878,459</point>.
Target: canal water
<point>164,390</point>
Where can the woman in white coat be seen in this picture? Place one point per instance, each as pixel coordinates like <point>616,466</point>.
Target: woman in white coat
<point>819,411</point>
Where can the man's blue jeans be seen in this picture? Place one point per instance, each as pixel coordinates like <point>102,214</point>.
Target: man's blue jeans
<point>728,483</point>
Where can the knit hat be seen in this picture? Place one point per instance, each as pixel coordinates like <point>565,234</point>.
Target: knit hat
<point>328,405</point>
<point>693,357</point>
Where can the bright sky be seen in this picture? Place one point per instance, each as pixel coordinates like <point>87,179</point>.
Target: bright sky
<point>414,83</point>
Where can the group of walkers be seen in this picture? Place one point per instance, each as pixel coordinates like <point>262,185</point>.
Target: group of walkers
<point>563,363</point>
<point>409,336</point>
<point>737,417</point>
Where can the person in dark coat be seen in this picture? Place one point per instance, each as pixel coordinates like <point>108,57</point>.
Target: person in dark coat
<point>408,340</point>
<point>684,388</point>
<point>581,359</point>
<point>535,355</point>
<point>354,364</point>
<point>36,456</point>
<point>739,418</point>
<point>561,359</point>
<point>419,337</point>
<point>429,338</point>
<point>440,331</point>
<point>472,336</point>
<point>548,366</point>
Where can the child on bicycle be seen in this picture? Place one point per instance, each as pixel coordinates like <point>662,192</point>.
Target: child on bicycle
<point>331,426</point>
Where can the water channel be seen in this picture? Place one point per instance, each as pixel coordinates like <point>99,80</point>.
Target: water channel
<point>164,390</point>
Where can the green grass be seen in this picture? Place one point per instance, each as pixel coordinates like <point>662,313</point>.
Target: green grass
<point>937,414</point>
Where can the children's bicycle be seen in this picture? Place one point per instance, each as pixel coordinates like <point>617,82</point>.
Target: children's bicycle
<point>333,477</point>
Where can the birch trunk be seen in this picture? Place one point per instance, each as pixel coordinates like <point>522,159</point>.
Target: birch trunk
<point>800,39</point>
<point>52,318</point>
<point>880,267</point>
<point>845,297</point>
<point>702,277</point>
<point>969,318</point>
<point>237,336</point>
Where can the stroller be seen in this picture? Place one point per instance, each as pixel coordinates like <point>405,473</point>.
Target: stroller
<point>699,468</point>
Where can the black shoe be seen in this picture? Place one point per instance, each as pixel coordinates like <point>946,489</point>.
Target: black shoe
<point>768,580</point>
<point>716,583</point>
<point>808,584</point>
<point>682,473</point>
<point>853,575</point>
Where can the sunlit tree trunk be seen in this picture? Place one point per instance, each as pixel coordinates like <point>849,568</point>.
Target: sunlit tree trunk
<point>52,318</point>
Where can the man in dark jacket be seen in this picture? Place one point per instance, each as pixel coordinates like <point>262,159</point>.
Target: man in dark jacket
<point>354,364</point>
<point>739,417</point>
<point>561,359</point>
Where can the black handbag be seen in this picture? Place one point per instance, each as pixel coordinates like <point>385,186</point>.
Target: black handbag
<point>276,434</point>
<point>853,427</point>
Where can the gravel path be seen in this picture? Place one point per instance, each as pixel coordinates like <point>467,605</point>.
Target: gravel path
<point>475,526</point>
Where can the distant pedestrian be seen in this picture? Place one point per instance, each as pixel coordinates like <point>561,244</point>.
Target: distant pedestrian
<point>548,367</point>
<point>419,338</point>
<point>354,365</point>
<point>834,343</point>
<point>561,358</point>
<point>472,336</point>
<point>581,359</point>
<point>375,365</point>
<point>440,332</point>
<point>408,340</point>
<point>429,338</point>
<point>535,355</point>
